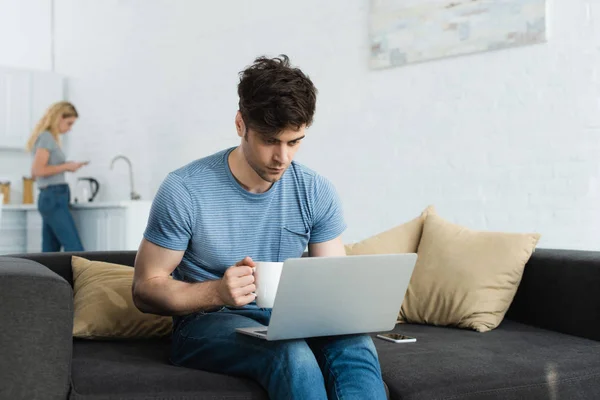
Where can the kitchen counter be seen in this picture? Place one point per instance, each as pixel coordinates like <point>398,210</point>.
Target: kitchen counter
<point>93,204</point>
<point>102,226</point>
<point>113,204</point>
<point>19,207</point>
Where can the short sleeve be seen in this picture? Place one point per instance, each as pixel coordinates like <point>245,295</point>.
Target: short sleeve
<point>328,216</point>
<point>171,219</point>
<point>45,141</point>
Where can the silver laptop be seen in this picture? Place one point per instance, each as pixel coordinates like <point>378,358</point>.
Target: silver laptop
<point>326,296</point>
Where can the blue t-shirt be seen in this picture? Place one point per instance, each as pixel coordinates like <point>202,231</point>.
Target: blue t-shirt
<point>202,209</point>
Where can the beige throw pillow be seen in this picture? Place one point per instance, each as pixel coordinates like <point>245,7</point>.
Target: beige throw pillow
<point>104,305</point>
<point>463,277</point>
<point>398,240</point>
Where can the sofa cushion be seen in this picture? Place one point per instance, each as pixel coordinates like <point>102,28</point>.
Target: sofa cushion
<point>104,305</point>
<point>401,239</point>
<point>514,361</point>
<point>464,277</point>
<point>140,370</point>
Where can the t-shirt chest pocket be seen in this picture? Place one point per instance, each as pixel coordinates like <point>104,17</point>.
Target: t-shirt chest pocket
<point>292,243</point>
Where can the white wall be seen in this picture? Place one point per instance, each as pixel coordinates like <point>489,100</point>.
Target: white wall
<point>506,140</point>
<point>25,34</point>
<point>25,42</point>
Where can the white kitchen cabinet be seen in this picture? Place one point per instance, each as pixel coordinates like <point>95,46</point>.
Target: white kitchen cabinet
<point>3,108</point>
<point>16,87</point>
<point>12,231</point>
<point>111,226</point>
<point>101,229</point>
<point>48,88</point>
<point>34,231</point>
<point>114,226</point>
<point>24,97</point>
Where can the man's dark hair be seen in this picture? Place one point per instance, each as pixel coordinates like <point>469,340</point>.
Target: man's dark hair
<point>275,96</point>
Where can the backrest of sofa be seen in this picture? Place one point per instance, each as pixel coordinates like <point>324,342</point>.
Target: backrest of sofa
<point>559,291</point>
<point>60,263</point>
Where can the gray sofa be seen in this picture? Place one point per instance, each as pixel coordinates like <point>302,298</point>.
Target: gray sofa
<point>548,346</point>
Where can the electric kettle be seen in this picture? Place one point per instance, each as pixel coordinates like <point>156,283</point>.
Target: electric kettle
<point>86,190</point>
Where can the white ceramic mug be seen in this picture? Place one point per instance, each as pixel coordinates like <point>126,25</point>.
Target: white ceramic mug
<point>266,279</point>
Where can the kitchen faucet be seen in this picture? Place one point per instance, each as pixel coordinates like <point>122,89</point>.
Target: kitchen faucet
<point>133,194</point>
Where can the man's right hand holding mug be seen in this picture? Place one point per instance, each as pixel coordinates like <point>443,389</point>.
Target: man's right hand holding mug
<point>236,288</point>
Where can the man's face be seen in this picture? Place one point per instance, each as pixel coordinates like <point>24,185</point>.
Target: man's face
<point>270,157</point>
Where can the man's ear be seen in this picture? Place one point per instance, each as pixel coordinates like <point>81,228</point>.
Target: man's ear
<point>239,124</point>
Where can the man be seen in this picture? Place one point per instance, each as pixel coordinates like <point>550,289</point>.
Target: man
<point>213,217</point>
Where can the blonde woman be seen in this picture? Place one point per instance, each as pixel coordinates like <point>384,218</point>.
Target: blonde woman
<point>49,167</point>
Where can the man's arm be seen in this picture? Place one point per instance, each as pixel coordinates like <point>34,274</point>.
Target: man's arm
<point>328,221</point>
<point>155,292</point>
<point>331,248</point>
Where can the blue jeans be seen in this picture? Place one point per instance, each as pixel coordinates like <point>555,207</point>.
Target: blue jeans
<point>340,367</point>
<point>58,227</point>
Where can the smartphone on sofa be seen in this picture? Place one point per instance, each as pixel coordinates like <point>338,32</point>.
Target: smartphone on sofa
<point>396,338</point>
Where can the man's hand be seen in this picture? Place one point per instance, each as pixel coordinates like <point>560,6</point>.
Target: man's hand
<point>237,286</point>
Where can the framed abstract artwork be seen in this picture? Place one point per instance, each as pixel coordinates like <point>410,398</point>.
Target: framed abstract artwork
<point>411,31</point>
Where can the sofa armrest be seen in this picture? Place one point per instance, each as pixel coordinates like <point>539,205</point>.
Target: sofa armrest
<point>36,334</point>
<point>560,291</point>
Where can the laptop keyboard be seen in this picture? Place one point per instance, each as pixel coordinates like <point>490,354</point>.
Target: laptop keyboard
<point>262,332</point>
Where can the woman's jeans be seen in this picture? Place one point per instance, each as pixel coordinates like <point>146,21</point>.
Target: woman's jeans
<point>58,229</point>
<point>341,367</point>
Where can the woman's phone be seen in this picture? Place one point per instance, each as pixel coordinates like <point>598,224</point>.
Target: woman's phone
<point>396,338</point>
